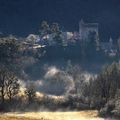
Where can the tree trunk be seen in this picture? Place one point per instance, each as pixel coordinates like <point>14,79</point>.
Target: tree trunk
<point>2,95</point>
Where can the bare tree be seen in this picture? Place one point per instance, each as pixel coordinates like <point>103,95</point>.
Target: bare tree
<point>2,84</point>
<point>9,84</point>
<point>107,83</point>
<point>77,74</point>
<point>12,86</point>
<point>30,92</point>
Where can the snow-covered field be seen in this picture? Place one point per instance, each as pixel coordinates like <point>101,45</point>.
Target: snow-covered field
<point>82,115</point>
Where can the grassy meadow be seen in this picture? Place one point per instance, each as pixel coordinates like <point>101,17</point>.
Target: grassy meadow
<point>83,115</point>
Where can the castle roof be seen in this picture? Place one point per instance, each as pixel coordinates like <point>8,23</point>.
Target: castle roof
<point>91,25</point>
<point>88,24</point>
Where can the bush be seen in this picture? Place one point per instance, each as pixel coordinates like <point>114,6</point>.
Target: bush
<point>107,109</point>
<point>116,111</point>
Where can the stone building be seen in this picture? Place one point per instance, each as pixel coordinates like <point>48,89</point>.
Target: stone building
<point>86,28</point>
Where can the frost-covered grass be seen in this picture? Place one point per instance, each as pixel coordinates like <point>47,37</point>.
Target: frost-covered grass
<point>72,115</point>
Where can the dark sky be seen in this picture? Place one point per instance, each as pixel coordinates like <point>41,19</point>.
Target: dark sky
<point>21,17</point>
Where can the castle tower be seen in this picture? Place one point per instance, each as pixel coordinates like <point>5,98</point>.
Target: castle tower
<point>81,28</point>
<point>111,42</point>
<point>85,28</point>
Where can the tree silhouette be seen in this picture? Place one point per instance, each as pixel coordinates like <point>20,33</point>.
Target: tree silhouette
<point>30,92</point>
<point>9,84</point>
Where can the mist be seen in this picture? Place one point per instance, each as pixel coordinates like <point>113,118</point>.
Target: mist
<point>53,79</point>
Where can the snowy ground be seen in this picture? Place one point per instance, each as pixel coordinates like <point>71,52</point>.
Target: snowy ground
<point>82,115</point>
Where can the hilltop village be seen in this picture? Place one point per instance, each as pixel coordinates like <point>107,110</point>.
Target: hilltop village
<point>88,34</point>
<point>87,39</point>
